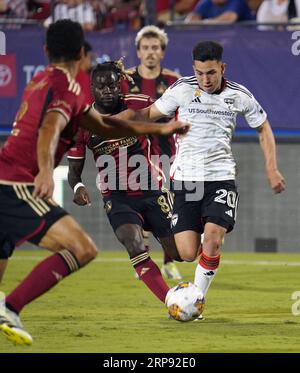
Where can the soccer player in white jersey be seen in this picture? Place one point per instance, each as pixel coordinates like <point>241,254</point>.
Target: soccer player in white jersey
<point>210,103</point>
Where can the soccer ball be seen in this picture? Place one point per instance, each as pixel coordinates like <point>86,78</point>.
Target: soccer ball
<point>185,302</point>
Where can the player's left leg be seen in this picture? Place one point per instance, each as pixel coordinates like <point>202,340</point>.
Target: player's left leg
<point>210,257</point>
<point>219,207</point>
<point>159,216</point>
<point>130,235</point>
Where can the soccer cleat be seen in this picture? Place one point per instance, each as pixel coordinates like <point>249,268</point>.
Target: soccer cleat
<point>11,327</point>
<point>170,271</point>
<point>199,318</point>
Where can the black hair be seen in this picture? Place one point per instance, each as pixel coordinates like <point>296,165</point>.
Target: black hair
<point>64,40</point>
<point>208,51</point>
<point>106,66</point>
<point>87,47</point>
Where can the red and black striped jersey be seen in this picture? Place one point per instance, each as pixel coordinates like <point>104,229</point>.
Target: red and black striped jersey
<point>118,160</point>
<point>153,88</point>
<point>51,90</point>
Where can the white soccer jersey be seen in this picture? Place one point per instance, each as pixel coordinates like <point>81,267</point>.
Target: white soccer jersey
<point>204,153</point>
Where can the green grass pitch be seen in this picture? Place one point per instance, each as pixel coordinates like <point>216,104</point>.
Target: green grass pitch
<point>103,308</point>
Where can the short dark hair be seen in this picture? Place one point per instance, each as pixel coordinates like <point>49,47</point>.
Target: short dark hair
<point>106,66</point>
<point>64,40</point>
<point>87,48</point>
<point>208,51</point>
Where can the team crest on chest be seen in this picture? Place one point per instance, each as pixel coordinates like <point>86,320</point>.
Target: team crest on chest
<point>229,101</point>
<point>160,89</point>
<point>135,89</point>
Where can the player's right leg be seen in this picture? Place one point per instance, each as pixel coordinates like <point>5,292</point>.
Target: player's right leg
<point>125,217</point>
<point>44,223</point>
<point>187,226</point>
<point>72,248</point>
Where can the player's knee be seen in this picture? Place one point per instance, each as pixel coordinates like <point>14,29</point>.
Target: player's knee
<point>213,241</point>
<point>131,237</point>
<point>84,249</point>
<point>135,246</point>
<point>177,257</point>
<point>187,255</point>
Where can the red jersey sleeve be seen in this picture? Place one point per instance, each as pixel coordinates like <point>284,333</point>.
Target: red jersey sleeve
<point>78,150</point>
<point>137,102</point>
<point>67,97</point>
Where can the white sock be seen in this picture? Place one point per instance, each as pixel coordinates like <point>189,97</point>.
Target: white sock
<point>203,277</point>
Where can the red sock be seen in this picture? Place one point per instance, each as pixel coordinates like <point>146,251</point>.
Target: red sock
<point>42,278</point>
<point>150,274</point>
<point>167,258</point>
<point>208,262</point>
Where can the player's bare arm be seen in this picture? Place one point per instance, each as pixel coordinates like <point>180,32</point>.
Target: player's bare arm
<point>267,142</point>
<point>48,137</point>
<point>150,113</point>
<point>81,195</point>
<point>112,127</point>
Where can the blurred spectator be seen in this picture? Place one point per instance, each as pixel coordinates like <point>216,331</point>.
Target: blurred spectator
<point>279,11</point>
<point>77,10</point>
<point>38,9</point>
<point>254,5</point>
<point>294,9</point>
<point>4,8</point>
<point>82,11</point>
<point>13,8</point>
<point>294,15</point>
<point>163,9</point>
<point>220,11</point>
<point>122,14</point>
<point>272,11</point>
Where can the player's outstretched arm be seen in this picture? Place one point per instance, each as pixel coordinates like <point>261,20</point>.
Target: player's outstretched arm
<point>267,143</point>
<point>52,126</point>
<point>110,127</point>
<point>150,113</point>
<point>81,195</point>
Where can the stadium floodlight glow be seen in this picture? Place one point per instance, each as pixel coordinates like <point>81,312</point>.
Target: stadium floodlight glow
<point>2,43</point>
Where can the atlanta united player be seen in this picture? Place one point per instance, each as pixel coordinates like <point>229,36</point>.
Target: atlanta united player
<point>130,206</point>
<point>51,112</point>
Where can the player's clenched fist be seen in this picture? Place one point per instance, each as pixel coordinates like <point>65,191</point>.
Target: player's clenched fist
<point>81,197</point>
